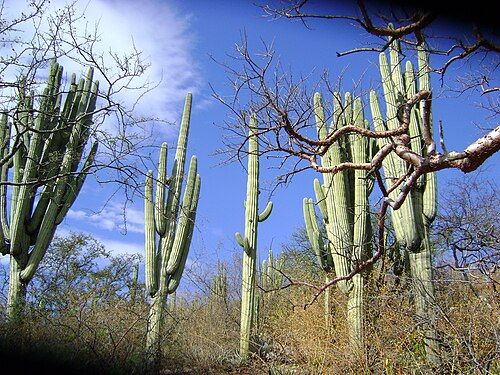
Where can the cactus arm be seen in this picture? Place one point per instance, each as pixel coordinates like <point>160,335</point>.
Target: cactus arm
<point>160,220</point>
<point>396,72</point>
<point>430,190</point>
<point>410,234</point>
<point>182,230</point>
<point>360,146</point>
<point>321,199</point>
<point>239,239</point>
<point>176,276</point>
<point>414,130</point>
<point>429,199</point>
<point>319,114</point>
<point>76,184</point>
<point>313,233</point>
<point>338,202</point>
<point>22,207</point>
<point>149,234</point>
<point>175,186</point>
<point>243,242</point>
<point>46,233</point>
<point>4,151</point>
<point>85,122</point>
<point>267,211</point>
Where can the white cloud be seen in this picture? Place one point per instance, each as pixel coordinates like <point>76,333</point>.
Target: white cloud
<point>115,247</point>
<point>112,218</point>
<point>155,29</point>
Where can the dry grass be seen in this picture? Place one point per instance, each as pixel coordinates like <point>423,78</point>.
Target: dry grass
<point>201,335</point>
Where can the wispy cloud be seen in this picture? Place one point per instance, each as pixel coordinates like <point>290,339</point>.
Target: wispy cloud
<point>112,218</point>
<point>115,247</point>
<point>155,28</point>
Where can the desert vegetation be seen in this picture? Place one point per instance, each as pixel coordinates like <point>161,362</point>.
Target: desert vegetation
<point>384,276</point>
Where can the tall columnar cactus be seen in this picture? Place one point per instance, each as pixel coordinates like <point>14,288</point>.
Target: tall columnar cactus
<point>249,241</point>
<point>343,202</point>
<point>168,228</point>
<point>40,151</point>
<point>412,220</point>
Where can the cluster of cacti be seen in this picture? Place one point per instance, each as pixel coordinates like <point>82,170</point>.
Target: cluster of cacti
<point>41,149</point>
<point>249,241</point>
<point>321,250</point>
<point>271,278</point>
<point>343,202</point>
<point>168,228</point>
<point>412,220</point>
<point>219,283</point>
<point>271,272</point>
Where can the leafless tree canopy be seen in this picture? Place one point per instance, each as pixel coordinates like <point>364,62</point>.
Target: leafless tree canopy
<point>468,228</point>
<point>40,34</point>
<point>285,111</point>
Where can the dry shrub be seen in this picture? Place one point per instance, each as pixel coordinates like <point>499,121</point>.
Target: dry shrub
<point>103,337</point>
<point>202,336</point>
<point>467,324</point>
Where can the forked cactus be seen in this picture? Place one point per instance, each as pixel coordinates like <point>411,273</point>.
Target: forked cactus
<point>168,228</point>
<point>249,241</point>
<point>412,220</point>
<point>43,148</point>
<point>343,202</point>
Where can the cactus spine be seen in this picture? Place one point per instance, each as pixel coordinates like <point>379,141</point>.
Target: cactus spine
<point>412,220</point>
<point>47,146</point>
<point>249,241</point>
<point>168,232</point>
<point>343,202</point>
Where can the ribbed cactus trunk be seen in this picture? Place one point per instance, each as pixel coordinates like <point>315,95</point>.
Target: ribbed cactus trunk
<point>168,228</point>
<point>343,203</point>
<point>17,289</point>
<point>249,241</point>
<point>46,145</point>
<point>412,220</point>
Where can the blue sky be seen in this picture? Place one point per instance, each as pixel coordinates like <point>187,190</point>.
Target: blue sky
<point>178,38</point>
